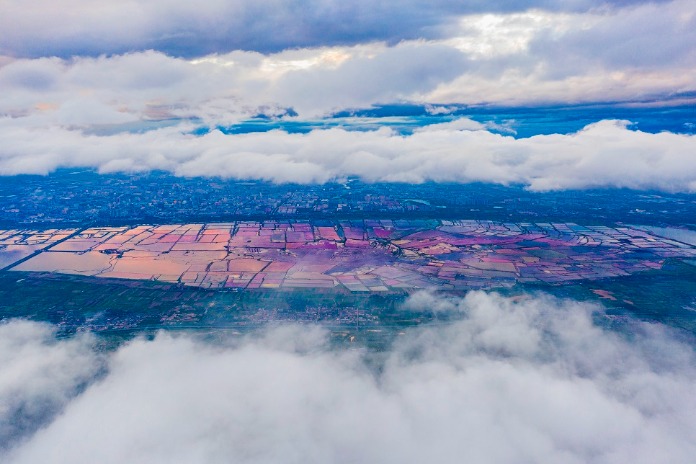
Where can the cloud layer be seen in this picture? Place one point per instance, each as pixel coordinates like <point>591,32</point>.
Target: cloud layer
<point>605,154</point>
<point>526,57</point>
<point>531,380</point>
<point>43,27</point>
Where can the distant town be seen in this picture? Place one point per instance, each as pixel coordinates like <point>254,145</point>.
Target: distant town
<point>85,198</point>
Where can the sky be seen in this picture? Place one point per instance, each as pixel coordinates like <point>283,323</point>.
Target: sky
<point>84,82</point>
<point>510,381</point>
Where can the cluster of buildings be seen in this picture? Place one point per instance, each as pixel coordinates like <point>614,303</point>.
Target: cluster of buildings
<point>74,199</point>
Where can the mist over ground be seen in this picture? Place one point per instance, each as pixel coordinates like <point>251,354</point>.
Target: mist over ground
<point>512,380</point>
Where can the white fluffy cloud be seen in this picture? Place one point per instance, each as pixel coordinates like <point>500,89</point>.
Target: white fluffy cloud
<point>531,380</point>
<point>606,154</point>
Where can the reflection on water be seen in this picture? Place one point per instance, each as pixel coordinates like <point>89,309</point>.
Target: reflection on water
<point>89,263</point>
<point>148,266</point>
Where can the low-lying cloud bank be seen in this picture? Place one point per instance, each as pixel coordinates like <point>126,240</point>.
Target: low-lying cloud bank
<point>528,380</point>
<point>605,154</point>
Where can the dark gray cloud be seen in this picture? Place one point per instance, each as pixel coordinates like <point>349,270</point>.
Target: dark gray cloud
<point>37,28</point>
<point>524,381</point>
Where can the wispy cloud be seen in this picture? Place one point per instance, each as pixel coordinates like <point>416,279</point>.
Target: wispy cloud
<point>40,375</point>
